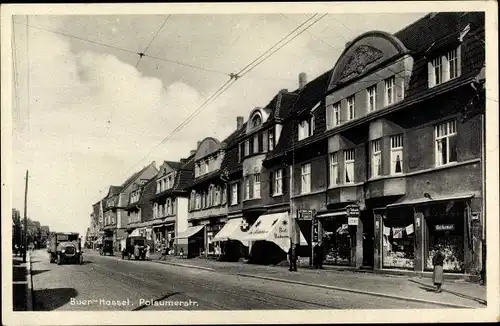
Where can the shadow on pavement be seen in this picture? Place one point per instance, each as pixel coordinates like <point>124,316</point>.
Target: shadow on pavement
<point>39,271</point>
<point>51,299</point>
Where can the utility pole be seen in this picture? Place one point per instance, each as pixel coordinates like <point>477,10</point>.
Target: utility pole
<point>25,240</point>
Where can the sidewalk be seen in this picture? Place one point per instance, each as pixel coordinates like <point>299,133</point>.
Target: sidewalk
<point>455,293</point>
<point>21,284</point>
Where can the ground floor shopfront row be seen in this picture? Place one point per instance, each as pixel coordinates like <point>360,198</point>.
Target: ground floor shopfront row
<point>403,235</point>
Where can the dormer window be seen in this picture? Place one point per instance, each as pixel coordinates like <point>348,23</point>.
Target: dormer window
<point>256,121</point>
<point>443,68</point>
<point>306,128</point>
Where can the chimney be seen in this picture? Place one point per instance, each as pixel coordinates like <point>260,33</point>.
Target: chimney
<point>239,122</point>
<point>302,80</point>
<point>198,144</point>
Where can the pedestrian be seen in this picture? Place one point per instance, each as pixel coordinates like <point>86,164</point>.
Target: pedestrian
<point>148,248</point>
<point>292,254</point>
<point>164,252</point>
<point>438,261</point>
<point>316,256</point>
<point>181,252</point>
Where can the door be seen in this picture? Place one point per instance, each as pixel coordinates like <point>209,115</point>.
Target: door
<point>368,240</point>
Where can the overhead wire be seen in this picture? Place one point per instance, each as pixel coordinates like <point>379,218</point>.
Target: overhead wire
<point>124,50</point>
<point>141,54</point>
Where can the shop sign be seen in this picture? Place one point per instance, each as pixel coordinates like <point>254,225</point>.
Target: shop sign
<point>305,214</point>
<point>352,221</point>
<point>315,231</point>
<point>353,211</point>
<point>445,227</point>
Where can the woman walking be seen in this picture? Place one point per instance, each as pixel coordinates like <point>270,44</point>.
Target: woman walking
<point>438,276</point>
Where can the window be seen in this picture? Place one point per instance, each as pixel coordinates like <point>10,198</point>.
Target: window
<point>209,196</point>
<point>247,148</point>
<point>256,144</point>
<point>397,154</point>
<point>241,151</point>
<point>197,170</point>
<point>169,207</point>
<point>350,108</point>
<point>256,185</point>
<point>446,147</point>
<point>278,182</point>
<point>155,211</point>
<point>234,194</point>
<point>376,159</point>
<point>371,98</point>
<point>349,166</point>
<point>333,115</point>
<point>438,70</point>
<point>198,201</point>
<point>452,59</point>
<point>271,139</point>
<point>306,128</point>
<point>305,184</point>
<point>160,210</point>
<point>247,187</point>
<point>256,121</point>
<point>334,170</point>
<point>224,192</point>
<point>389,90</point>
<point>217,196</point>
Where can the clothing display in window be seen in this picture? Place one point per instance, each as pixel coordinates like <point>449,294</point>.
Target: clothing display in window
<point>398,243</point>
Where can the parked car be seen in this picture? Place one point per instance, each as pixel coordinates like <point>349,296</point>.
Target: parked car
<point>65,247</point>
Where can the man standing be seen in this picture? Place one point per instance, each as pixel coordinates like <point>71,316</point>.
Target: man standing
<point>292,253</point>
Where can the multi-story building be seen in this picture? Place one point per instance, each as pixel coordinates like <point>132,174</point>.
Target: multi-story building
<point>115,215</point>
<point>389,151</point>
<point>168,195</point>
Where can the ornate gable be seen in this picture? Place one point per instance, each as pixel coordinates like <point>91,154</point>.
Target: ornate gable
<point>359,60</point>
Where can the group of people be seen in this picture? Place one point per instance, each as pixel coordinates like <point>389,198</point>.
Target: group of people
<point>317,261</point>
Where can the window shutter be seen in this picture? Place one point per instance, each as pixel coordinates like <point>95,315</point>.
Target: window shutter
<point>430,74</point>
<point>284,181</point>
<point>271,184</point>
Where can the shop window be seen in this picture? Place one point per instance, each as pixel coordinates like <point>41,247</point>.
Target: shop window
<point>334,170</point>
<point>305,184</point>
<point>398,240</point>
<point>445,229</point>
<point>337,241</point>
<point>210,237</point>
<point>376,165</point>
<point>371,98</point>
<point>349,166</point>
<point>389,90</point>
<point>446,146</point>
<point>351,109</point>
<point>397,154</point>
<point>256,185</point>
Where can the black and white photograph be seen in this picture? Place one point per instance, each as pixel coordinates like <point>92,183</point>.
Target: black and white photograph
<point>296,163</point>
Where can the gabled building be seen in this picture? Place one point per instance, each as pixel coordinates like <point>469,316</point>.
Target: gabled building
<point>168,197</point>
<point>392,166</point>
<point>115,215</point>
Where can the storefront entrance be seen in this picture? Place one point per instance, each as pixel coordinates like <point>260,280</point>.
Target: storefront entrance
<point>337,240</point>
<point>368,238</point>
<point>445,228</point>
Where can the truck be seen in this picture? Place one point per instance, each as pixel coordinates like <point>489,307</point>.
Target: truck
<point>65,247</point>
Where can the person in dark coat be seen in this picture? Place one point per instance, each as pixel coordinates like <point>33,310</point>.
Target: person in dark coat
<point>316,256</point>
<point>438,261</point>
<point>292,256</point>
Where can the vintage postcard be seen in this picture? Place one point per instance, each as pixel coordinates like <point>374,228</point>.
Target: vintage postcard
<point>250,163</point>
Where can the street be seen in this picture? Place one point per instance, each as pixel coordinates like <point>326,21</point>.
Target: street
<point>110,283</point>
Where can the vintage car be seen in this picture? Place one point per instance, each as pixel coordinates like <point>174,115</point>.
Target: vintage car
<point>65,247</point>
<point>134,247</point>
<point>106,247</point>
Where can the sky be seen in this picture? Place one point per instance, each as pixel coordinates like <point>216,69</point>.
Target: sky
<point>94,114</point>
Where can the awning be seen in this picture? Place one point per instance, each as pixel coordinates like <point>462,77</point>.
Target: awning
<point>232,231</point>
<point>432,199</point>
<point>190,231</point>
<point>273,228</point>
<point>135,233</point>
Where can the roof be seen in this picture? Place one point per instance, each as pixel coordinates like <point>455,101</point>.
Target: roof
<point>174,164</point>
<point>183,178</point>
<point>230,163</point>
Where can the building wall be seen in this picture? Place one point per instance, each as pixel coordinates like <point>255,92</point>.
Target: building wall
<point>146,205</point>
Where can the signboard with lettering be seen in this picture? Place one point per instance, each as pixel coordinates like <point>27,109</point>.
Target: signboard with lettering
<point>305,214</point>
<point>444,227</point>
<point>353,211</point>
<point>315,231</point>
<point>352,221</point>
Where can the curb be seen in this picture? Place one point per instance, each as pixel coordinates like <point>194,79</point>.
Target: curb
<point>29,294</point>
<point>183,265</point>
<point>390,296</point>
<point>458,294</point>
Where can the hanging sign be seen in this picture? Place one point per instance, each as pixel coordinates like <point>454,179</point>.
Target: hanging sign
<point>315,231</point>
<point>445,227</point>
<point>409,229</point>
<point>397,233</point>
<point>353,211</point>
<point>387,231</point>
<point>352,221</point>
<point>305,214</point>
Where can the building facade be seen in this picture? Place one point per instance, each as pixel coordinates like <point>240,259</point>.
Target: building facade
<point>396,137</point>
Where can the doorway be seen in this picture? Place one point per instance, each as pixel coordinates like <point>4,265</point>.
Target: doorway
<point>368,239</point>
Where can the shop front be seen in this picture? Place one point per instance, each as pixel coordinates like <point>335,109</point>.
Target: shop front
<point>191,242</point>
<point>338,238</point>
<point>398,238</point>
<point>212,247</point>
<point>230,240</point>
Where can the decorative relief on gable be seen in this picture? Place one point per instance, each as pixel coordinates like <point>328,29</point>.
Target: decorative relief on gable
<point>360,58</point>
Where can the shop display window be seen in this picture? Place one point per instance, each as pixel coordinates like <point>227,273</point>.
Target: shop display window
<point>398,240</point>
<point>445,227</point>
<point>337,241</point>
